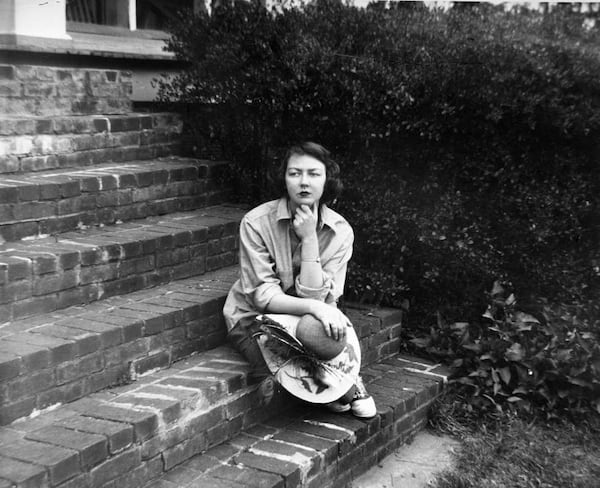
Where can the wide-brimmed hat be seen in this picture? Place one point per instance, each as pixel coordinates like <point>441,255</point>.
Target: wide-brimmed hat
<point>299,371</point>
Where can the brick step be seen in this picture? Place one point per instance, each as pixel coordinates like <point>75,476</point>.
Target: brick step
<point>42,143</point>
<point>43,275</point>
<point>131,434</point>
<point>51,202</point>
<point>62,356</point>
<point>308,446</point>
<point>59,357</point>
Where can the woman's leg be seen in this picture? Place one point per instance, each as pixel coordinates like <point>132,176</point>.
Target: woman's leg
<point>241,339</point>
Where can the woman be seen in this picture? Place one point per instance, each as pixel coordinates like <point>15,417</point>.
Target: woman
<point>293,259</point>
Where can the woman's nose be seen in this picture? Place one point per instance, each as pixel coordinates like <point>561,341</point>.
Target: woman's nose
<point>303,179</point>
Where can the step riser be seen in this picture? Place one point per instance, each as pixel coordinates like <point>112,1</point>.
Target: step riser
<point>88,125</point>
<point>47,205</point>
<point>31,150</point>
<point>35,278</point>
<point>44,91</point>
<point>14,164</point>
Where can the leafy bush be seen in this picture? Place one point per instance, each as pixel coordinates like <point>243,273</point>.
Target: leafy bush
<point>551,364</point>
<point>468,139</point>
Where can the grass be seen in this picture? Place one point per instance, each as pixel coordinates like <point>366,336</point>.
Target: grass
<point>505,450</point>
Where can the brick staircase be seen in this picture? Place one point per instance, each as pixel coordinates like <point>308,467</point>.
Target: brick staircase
<point>116,254</point>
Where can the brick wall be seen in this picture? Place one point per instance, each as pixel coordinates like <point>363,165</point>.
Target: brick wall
<point>43,91</point>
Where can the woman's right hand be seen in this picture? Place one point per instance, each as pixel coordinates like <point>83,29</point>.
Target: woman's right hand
<point>335,323</point>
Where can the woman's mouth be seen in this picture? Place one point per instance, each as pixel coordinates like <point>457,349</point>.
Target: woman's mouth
<point>304,194</point>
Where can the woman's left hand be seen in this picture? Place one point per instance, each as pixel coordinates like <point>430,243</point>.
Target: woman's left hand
<point>335,323</point>
<point>305,222</point>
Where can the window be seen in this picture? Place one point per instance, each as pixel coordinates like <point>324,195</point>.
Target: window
<point>155,14</point>
<point>99,12</point>
<point>129,14</point>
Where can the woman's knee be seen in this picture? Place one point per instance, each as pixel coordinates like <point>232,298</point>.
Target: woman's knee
<point>311,333</point>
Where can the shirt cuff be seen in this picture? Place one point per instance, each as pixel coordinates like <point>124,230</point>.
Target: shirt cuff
<point>320,293</point>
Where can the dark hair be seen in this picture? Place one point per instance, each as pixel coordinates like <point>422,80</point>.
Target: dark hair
<point>333,184</point>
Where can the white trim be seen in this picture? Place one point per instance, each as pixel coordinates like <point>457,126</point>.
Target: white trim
<point>34,18</point>
<point>132,15</point>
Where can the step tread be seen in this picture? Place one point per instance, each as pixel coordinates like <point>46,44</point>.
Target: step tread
<point>60,176</point>
<point>201,421</point>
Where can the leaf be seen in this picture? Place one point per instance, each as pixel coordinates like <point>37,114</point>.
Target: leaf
<point>563,355</point>
<point>497,289</point>
<point>480,373</point>
<point>464,381</point>
<point>515,352</point>
<point>421,342</point>
<point>488,314</point>
<point>457,363</point>
<point>579,382</point>
<point>505,374</point>
<point>495,377</point>
<point>513,399</point>
<point>472,347</point>
<point>525,318</point>
<point>511,300</point>
<point>460,326</point>
<point>524,328</point>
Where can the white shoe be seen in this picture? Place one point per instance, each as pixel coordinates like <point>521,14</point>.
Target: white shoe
<point>362,404</point>
<point>338,407</point>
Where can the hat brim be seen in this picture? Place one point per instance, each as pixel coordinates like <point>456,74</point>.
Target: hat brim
<point>337,375</point>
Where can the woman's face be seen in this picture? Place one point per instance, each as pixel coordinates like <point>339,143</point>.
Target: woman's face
<point>305,180</point>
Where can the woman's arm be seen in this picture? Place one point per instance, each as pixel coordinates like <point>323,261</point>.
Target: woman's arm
<point>305,226</point>
<point>334,321</point>
<point>322,279</point>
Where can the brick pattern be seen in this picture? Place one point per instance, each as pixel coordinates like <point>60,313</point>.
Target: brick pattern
<point>64,356</point>
<point>44,90</point>
<point>43,275</point>
<point>200,424</point>
<point>52,202</point>
<point>74,352</point>
<point>29,144</point>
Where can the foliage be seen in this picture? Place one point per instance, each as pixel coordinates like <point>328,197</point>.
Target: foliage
<point>468,141</point>
<point>513,360</point>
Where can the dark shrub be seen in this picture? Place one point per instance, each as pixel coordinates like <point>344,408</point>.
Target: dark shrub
<point>469,140</point>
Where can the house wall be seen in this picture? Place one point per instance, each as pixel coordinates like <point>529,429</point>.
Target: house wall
<point>34,18</point>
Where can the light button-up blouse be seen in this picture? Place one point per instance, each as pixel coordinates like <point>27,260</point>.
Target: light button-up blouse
<point>270,260</point>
